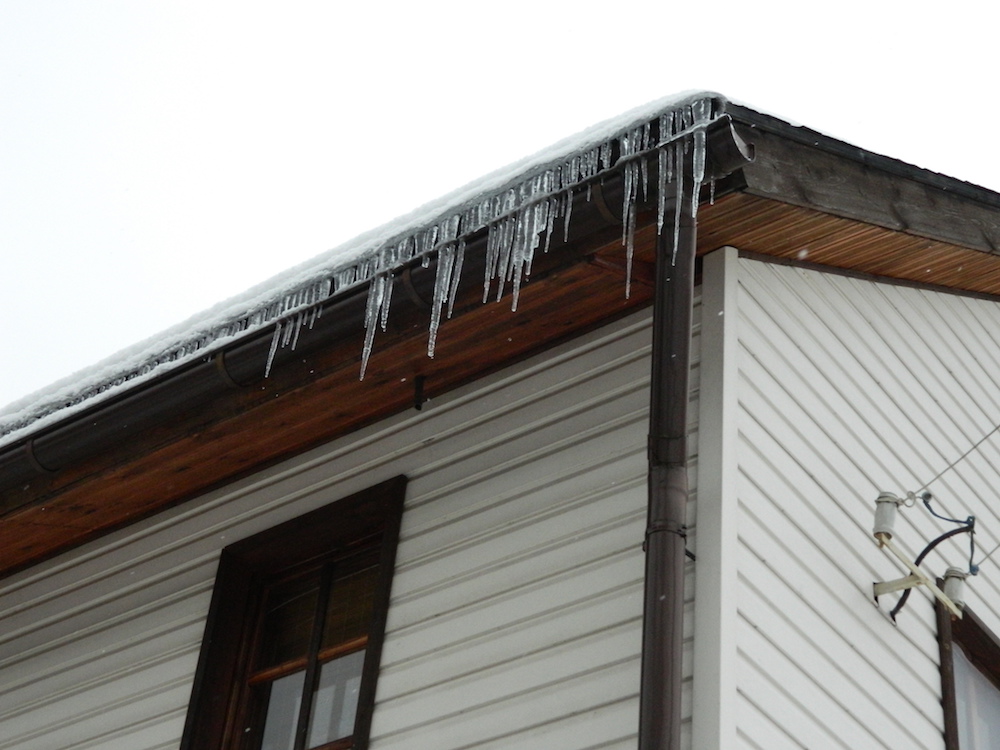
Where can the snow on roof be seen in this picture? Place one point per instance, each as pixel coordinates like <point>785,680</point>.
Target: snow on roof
<point>430,229</point>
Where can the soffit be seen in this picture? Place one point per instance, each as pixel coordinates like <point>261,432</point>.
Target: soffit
<point>573,289</point>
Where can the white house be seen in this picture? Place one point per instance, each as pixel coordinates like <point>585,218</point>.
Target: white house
<point>636,511</point>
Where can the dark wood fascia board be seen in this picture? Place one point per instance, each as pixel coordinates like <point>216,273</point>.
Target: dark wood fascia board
<point>866,189</point>
<point>760,121</point>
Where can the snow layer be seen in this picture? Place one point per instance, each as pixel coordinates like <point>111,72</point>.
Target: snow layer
<point>526,190</point>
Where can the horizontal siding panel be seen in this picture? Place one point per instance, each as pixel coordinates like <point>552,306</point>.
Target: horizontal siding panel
<point>591,728</point>
<point>524,520</point>
<point>142,712</point>
<point>522,557</point>
<point>519,715</point>
<point>532,671</point>
<point>600,575</point>
<point>516,609</point>
<point>548,628</point>
<point>176,648</point>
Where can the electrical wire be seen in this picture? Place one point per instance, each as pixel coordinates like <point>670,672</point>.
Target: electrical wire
<point>969,525</point>
<point>988,555</point>
<point>954,463</point>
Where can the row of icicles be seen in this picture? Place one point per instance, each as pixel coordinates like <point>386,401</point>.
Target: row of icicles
<point>519,220</point>
<point>525,218</point>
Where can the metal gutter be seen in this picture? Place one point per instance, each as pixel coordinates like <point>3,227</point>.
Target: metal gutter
<point>242,364</point>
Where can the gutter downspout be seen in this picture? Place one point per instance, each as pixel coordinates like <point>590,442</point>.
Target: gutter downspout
<point>663,607</point>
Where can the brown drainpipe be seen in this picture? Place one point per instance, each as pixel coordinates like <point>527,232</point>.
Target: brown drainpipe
<point>663,611</point>
<point>663,607</point>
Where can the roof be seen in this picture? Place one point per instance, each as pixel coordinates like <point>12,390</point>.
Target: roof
<point>435,228</point>
<point>274,372</point>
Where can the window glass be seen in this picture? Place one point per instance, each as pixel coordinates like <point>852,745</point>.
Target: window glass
<point>335,701</point>
<point>283,712</point>
<point>977,704</point>
<point>312,648</point>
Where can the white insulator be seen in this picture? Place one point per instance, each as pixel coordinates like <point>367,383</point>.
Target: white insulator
<point>954,585</point>
<point>886,505</point>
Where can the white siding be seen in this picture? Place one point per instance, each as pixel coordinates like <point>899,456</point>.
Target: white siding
<point>715,578</point>
<point>515,615</point>
<point>848,387</point>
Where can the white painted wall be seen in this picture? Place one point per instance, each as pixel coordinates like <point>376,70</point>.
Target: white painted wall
<point>847,387</point>
<point>515,615</point>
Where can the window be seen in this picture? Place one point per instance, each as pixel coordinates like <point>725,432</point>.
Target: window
<point>292,643</point>
<point>970,674</point>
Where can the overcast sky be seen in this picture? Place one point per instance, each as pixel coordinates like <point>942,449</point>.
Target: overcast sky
<point>158,157</point>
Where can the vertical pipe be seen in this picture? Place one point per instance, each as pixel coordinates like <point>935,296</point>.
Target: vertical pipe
<point>663,610</point>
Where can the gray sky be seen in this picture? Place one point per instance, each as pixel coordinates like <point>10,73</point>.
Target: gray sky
<point>158,157</point>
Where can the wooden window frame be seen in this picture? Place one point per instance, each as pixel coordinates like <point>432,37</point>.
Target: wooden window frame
<point>981,645</point>
<point>217,713</point>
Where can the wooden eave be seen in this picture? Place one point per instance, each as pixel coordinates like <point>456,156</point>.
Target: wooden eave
<point>796,203</point>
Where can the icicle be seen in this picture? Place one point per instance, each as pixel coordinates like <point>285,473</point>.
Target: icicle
<point>644,172</point>
<point>492,256</point>
<point>456,275</point>
<point>386,299</point>
<point>567,213</point>
<point>517,262</point>
<point>525,242</point>
<point>678,203</point>
<point>298,328</point>
<point>628,221</point>
<point>540,224</point>
<point>550,220</point>
<point>274,348</point>
<point>507,229</point>
<point>606,155</point>
<point>711,192</point>
<point>663,158</point>
<point>373,313</point>
<point>442,284</point>
<point>698,168</point>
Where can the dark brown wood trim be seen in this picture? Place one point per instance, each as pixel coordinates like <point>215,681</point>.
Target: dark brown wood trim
<point>380,614</point>
<point>325,655</point>
<point>221,704</point>
<point>804,175</point>
<point>979,643</point>
<point>946,646</point>
<point>762,122</point>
